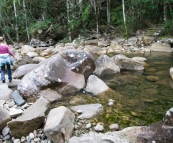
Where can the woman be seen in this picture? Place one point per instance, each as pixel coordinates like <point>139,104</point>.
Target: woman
<point>5,59</point>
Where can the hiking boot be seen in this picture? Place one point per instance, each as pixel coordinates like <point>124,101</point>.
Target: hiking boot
<point>3,81</point>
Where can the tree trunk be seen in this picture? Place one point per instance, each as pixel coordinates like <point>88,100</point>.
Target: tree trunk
<point>16,25</point>
<point>26,22</point>
<point>108,10</point>
<point>68,19</point>
<point>165,11</point>
<point>124,16</point>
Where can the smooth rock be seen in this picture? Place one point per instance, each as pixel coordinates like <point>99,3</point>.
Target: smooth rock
<point>88,110</point>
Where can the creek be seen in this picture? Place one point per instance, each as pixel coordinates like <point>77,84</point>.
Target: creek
<point>141,98</point>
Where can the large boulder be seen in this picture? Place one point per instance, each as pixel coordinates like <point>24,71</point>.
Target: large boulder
<point>59,125</point>
<point>26,48</point>
<point>95,85</point>
<point>24,69</point>
<point>161,47</point>
<point>148,40</point>
<point>127,63</point>
<point>88,110</point>
<point>59,70</point>
<point>31,119</point>
<point>4,117</point>
<point>106,66</point>
<point>132,41</point>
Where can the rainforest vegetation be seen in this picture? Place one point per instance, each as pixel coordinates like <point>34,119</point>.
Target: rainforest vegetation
<point>21,20</point>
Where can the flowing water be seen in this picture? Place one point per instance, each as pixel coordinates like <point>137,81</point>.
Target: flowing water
<point>141,98</point>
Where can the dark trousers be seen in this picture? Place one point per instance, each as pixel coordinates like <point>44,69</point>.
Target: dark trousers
<point>8,71</point>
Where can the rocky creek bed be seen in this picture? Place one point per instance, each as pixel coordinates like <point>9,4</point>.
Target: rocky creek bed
<point>68,96</point>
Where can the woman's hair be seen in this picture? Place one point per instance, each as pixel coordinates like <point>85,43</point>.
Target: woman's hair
<point>1,39</point>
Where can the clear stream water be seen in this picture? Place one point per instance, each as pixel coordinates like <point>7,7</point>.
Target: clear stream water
<point>141,98</point>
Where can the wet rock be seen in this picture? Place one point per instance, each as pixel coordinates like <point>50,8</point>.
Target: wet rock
<point>88,110</point>
<point>95,85</point>
<point>59,125</point>
<point>31,119</point>
<point>152,78</point>
<point>106,66</point>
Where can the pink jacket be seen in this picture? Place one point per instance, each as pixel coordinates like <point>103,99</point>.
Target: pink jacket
<point>4,49</point>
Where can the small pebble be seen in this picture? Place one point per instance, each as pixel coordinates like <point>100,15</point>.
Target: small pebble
<point>99,128</point>
<point>23,139</point>
<point>110,103</point>
<point>88,126</point>
<point>79,111</point>
<point>37,139</point>
<point>17,141</point>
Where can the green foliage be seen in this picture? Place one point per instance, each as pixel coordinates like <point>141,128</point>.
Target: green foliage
<point>86,13</point>
<point>169,27</point>
<point>82,17</point>
<point>39,25</point>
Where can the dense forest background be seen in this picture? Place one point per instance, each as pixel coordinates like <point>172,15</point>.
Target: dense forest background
<point>21,20</point>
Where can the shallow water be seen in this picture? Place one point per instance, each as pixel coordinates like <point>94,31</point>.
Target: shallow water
<point>141,98</point>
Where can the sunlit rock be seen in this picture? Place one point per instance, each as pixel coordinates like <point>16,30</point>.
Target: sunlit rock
<point>31,119</point>
<point>5,92</point>
<point>66,70</point>
<point>50,95</point>
<point>88,110</point>
<point>160,47</point>
<point>106,66</point>
<point>22,70</point>
<point>26,48</point>
<point>127,63</point>
<point>95,85</point>
<point>59,125</point>
<point>32,54</point>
